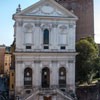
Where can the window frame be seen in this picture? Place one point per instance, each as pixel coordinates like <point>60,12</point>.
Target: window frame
<point>28,83</point>
<point>46,36</point>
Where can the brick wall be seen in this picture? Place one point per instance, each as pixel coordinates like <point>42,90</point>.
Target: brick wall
<point>84,10</point>
<point>2,54</point>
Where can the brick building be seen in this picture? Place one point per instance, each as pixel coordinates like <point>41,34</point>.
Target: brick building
<point>84,10</point>
<point>7,60</point>
<point>12,73</point>
<point>2,54</point>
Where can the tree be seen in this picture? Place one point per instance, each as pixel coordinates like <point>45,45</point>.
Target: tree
<point>87,53</point>
<point>99,48</point>
<point>96,65</point>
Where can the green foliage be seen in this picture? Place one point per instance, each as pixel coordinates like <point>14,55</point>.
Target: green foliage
<point>88,52</point>
<point>96,65</point>
<point>99,49</point>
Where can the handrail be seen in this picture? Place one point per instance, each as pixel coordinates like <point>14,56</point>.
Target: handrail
<point>66,95</point>
<point>31,95</point>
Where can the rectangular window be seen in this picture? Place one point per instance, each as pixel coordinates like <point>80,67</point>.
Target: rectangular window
<point>12,86</point>
<point>12,74</point>
<point>5,64</point>
<point>46,37</point>
<point>62,47</point>
<point>28,47</point>
<point>46,47</point>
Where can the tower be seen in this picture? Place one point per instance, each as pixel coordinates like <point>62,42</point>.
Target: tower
<point>84,10</point>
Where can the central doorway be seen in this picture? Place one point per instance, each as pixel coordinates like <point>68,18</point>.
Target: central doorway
<point>47,98</point>
<point>45,77</point>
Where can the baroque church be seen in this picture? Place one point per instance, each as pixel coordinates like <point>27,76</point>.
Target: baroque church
<point>45,52</point>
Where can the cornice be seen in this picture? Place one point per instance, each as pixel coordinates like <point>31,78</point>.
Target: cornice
<point>45,53</point>
<point>37,17</point>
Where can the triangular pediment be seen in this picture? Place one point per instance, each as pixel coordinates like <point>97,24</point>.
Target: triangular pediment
<point>46,8</point>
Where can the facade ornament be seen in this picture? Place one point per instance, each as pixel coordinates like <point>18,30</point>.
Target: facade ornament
<point>63,27</point>
<point>19,62</point>
<point>46,26</point>
<point>54,61</point>
<point>70,61</point>
<point>54,25</point>
<point>18,9</point>
<point>20,23</point>
<point>37,24</point>
<point>28,26</point>
<point>62,64</point>
<point>37,61</point>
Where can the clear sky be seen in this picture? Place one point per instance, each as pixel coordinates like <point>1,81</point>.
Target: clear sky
<point>8,8</point>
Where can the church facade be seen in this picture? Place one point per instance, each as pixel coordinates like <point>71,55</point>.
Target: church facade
<point>45,52</point>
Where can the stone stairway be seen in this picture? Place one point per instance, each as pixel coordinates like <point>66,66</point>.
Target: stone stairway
<point>28,96</point>
<point>31,95</point>
<point>49,91</point>
<point>65,95</point>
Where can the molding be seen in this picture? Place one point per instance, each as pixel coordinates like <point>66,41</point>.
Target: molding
<point>19,62</point>
<point>46,53</point>
<point>71,61</point>
<point>37,61</point>
<point>20,23</point>
<point>37,24</point>
<point>47,17</point>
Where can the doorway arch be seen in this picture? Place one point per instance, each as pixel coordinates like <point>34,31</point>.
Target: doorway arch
<point>45,77</point>
<point>28,77</point>
<point>62,77</point>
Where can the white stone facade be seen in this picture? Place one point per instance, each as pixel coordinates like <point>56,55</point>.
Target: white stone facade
<point>31,52</point>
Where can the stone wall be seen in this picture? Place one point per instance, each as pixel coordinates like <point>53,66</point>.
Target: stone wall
<point>88,92</point>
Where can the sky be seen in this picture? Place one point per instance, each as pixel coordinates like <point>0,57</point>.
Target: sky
<point>8,8</point>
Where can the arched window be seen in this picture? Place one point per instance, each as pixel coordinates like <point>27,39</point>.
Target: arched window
<point>46,36</point>
<point>62,77</point>
<point>45,77</point>
<point>28,77</point>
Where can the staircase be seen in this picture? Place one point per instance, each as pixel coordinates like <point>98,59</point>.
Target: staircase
<point>28,96</point>
<point>31,95</point>
<point>46,91</point>
<point>65,95</point>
